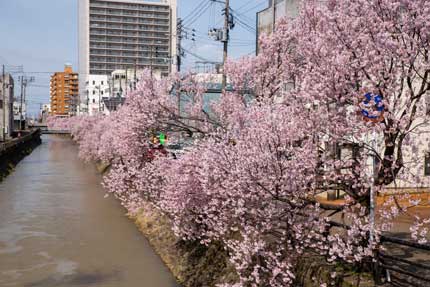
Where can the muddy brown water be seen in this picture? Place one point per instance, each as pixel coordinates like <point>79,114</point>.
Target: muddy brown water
<point>57,229</point>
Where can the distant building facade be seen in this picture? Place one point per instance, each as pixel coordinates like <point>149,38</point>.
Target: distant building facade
<point>64,92</point>
<point>276,10</point>
<point>45,110</point>
<point>97,88</point>
<point>6,106</point>
<point>124,34</point>
<point>19,114</point>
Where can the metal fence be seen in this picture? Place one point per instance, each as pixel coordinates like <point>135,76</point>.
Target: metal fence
<point>399,271</point>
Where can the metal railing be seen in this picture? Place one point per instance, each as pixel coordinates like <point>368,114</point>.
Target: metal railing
<point>151,8</point>
<point>400,271</point>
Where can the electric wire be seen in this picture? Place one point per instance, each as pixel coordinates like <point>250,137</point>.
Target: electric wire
<point>197,56</point>
<point>192,12</point>
<point>250,2</point>
<point>198,14</point>
<point>254,7</point>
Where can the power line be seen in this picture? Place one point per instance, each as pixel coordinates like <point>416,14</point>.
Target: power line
<point>198,14</point>
<point>246,26</point>
<point>250,2</point>
<point>192,12</point>
<point>248,20</point>
<point>254,7</point>
<point>197,56</point>
<point>238,18</point>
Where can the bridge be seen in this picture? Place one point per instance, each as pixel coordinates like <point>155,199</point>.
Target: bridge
<point>46,131</point>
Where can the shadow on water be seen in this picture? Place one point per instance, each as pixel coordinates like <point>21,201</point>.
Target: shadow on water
<point>79,279</point>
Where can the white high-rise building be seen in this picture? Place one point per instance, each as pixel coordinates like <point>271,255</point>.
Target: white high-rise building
<point>126,34</point>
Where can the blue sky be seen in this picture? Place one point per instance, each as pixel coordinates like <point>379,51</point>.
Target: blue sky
<point>41,35</point>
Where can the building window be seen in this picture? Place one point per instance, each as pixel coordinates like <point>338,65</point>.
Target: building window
<point>102,82</point>
<point>427,164</point>
<point>94,92</point>
<point>94,101</point>
<point>102,92</point>
<point>94,82</point>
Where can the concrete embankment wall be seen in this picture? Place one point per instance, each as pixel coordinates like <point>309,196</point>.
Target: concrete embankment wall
<point>13,151</point>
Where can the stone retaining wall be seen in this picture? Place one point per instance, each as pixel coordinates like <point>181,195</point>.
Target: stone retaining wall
<point>13,151</point>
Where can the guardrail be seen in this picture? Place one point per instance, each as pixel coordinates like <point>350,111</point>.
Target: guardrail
<point>393,270</point>
<point>400,271</point>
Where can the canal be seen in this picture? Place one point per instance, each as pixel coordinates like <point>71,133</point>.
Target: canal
<point>57,229</point>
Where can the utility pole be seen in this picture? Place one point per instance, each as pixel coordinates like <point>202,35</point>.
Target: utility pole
<point>4,104</point>
<point>179,49</point>
<point>98,88</point>
<point>24,82</point>
<point>223,35</point>
<point>135,74</point>
<point>120,85</point>
<point>225,40</point>
<point>152,51</point>
<point>20,106</point>
<point>126,80</point>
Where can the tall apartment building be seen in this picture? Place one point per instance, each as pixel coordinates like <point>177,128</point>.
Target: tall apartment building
<point>124,34</point>
<point>64,92</point>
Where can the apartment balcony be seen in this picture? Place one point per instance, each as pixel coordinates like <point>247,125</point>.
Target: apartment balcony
<point>162,49</point>
<point>129,15</point>
<point>127,26</point>
<point>114,38</point>
<point>134,28</point>
<point>122,33</point>
<point>129,35</point>
<point>159,22</point>
<point>126,58</point>
<point>131,7</point>
<point>122,9</point>
<point>108,64</point>
<point>105,70</point>
<point>137,41</point>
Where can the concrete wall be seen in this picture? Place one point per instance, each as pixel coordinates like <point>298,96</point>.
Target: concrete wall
<point>15,150</point>
<point>277,10</point>
<point>6,108</point>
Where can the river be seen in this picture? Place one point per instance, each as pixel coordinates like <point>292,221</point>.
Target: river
<point>57,229</point>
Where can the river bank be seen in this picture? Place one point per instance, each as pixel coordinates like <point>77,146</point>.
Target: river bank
<point>197,265</point>
<point>13,151</point>
<point>191,263</point>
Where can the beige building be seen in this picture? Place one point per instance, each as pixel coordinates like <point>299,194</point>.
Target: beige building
<point>276,10</point>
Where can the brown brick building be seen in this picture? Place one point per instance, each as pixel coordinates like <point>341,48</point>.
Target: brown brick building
<point>64,92</point>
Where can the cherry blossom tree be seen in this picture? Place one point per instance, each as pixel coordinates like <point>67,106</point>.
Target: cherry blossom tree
<point>349,76</point>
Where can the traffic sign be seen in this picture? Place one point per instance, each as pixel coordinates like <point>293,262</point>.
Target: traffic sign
<point>373,112</point>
